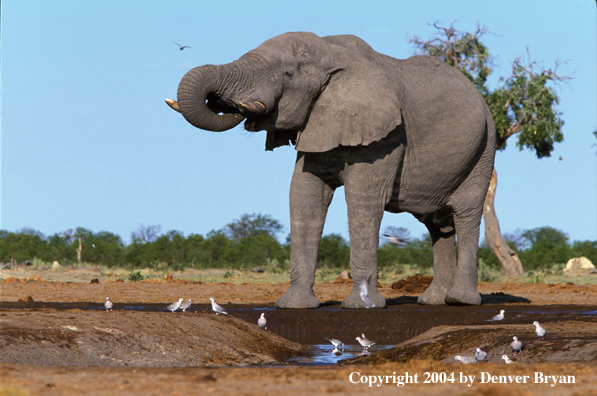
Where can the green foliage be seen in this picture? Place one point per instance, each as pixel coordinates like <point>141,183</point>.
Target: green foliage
<point>334,252</point>
<point>255,250</point>
<point>522,104</point>
<point>526,106</point>
<point>462,50</point>
<point>488,258</point>
<point>135,276</point>
<point>587,249</point>
<point>540,249</point>
<point>417,252</point>
<point>484,271</point>
<point>251,224</point>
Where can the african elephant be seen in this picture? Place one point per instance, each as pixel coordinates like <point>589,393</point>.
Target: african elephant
<point>409,135</point>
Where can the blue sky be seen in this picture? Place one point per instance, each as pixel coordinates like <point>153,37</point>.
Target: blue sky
<point>87,140</point>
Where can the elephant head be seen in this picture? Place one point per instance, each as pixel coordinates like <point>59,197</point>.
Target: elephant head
<point>300,88</point>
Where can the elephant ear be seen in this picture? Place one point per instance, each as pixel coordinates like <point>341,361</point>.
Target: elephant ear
<point>358,106</point>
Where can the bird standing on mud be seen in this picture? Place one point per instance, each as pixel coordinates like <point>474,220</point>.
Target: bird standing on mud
<point>539,331</point>
<point>262,322</point>
<point>480,355</point>
<point>517,346</point>
<point>108,304</point>
<point>175,305</point>
<point>217,309</point>
<point>186,305</point>
<point>497,317</point>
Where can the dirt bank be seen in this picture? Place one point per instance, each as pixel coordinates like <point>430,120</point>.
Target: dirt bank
<point>123,338</point>
<point>568,341</point>
<point>69,351</point>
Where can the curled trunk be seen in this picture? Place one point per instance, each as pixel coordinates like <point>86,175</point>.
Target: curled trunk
<point>200,94</point>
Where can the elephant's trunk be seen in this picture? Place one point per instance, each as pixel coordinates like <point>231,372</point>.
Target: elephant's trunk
<point>202,102</point>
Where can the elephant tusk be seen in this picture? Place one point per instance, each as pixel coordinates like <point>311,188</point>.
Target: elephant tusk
<point>173,104</point>
<point>256,108</point>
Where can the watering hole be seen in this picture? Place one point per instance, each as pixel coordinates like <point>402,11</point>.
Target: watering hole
<point>387,327</point>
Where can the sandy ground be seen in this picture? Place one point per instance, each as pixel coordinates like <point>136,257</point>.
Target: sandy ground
<point>49,351</point>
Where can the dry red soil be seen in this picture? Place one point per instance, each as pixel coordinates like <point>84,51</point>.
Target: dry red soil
<point>48,347</point>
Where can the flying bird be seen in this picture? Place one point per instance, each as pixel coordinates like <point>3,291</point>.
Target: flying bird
<point>395,240</point>
<point>262,322</point>
<point>175,305</point>
<point>187,305</point>
<point>336,343</point>
<point>507,359</point>
<point>365,343</point>
<point>465,359</point>
<point>517,346</point>
<point>539,331</point>
<point>217,309</point>
<point>108,304</point>
<point>365,295</point>
<point>497,317</point>
<point>480,355</point>
<point>181,47</point>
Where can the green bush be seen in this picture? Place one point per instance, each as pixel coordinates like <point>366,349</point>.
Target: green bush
<point>135,276</point>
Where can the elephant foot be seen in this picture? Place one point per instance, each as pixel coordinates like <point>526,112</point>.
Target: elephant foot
<point>463,296</point>
<point>298,297</point>
<point>434,295</point>
<point>354,300</point>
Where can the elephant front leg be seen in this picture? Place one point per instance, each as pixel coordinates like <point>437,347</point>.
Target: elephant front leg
<point>365,211</point>
<point>310,198</point>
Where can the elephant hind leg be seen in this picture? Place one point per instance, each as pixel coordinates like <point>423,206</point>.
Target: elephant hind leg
<point>464,290</point>
<point>444,264</point>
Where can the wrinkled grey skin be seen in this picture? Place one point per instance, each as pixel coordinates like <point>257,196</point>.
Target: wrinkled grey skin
<point>409,135</point>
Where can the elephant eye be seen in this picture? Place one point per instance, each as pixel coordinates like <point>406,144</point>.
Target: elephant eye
<point>288,71</point>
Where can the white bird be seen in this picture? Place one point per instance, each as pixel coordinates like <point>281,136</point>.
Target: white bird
<point>217,309</point>
<point>465,359</point>
<point>186,305</point>
<point>365,295</point>
<point>539,331</point>
<point>108,304</point>
<point>395,240</point>
<point>336,343</point>
<point>262,322</point>
<point>365,342</point>
<point>480,355</point>
<point>181,47</point>
<point>517,346</point>
<point>174,306</point>
<point>497,317</point>
<point>507,359</point>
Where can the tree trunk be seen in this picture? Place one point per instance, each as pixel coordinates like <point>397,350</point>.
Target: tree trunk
<point>493,236</point>
<point>79,250</point>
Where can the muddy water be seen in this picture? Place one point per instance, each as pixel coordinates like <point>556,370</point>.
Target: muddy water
<point>387,327</point>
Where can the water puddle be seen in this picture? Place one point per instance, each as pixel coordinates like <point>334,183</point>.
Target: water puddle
<point>326,354</point>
